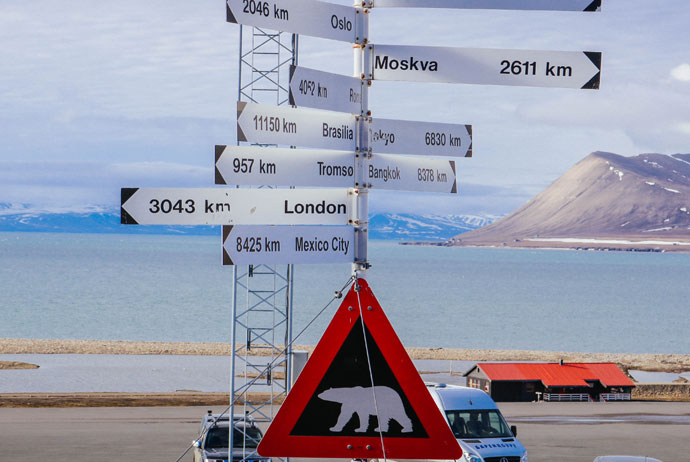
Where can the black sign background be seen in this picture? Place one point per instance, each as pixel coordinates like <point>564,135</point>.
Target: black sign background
<point>350,369</point>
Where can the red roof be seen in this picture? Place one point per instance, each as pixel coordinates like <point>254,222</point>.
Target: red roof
<point>556,375</point>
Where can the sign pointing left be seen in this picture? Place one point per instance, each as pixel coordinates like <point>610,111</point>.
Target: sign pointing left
<point>223,206</point>
<point>273,245</point>
<point>308,17</point>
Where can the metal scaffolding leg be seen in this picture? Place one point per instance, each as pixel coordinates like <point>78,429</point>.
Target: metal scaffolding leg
<point>262,295</point>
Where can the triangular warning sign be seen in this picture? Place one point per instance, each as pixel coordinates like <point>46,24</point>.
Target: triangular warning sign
<point>334,411</point>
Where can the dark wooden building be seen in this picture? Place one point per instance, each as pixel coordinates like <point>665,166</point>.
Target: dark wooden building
<point>551,381</point>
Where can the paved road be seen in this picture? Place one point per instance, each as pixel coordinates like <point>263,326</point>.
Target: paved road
<point>162,434</point>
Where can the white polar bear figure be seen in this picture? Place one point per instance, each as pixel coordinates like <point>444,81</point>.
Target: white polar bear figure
<point>360,401</point>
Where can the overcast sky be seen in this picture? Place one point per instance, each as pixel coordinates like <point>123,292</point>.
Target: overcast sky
<point>95,96</point>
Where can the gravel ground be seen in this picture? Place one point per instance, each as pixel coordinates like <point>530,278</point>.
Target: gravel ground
<point>645,362</point>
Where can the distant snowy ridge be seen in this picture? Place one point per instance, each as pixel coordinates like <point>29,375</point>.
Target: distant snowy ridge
<point>97,219</point>
<point>403,226</point>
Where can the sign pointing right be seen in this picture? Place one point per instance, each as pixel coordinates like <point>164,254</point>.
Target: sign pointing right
<point>560,69</point>
<point>551,5</point>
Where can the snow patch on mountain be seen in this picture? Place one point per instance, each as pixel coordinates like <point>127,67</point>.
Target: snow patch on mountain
<point>97,219</point>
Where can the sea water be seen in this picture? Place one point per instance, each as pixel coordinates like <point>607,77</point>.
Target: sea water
<point>174,288</point>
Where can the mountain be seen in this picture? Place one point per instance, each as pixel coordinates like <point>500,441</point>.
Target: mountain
<point>403,226</point>
<point>604,197</point>
<point>90,219</point>
<point>24,217</point>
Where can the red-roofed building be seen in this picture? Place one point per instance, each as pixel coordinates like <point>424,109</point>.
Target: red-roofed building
<point>551,381</point>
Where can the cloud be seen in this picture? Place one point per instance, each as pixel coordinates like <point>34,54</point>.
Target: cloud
<point>91,183</point>
<point>681,72</point>
<point>648,115</point>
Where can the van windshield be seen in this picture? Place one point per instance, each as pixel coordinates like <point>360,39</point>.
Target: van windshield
<point>473,423</point>
<point>217,437</point>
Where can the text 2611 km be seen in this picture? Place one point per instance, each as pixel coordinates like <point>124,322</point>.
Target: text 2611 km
<point>168,206</point>
<point>518,67</point>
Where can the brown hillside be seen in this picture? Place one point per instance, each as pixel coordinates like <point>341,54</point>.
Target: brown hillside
<point>604,196</point>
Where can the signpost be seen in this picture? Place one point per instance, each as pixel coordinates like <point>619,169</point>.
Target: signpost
<point>552,5</point>
<point>561,69</point>
<point>359,396</point>
<point>273,245</point>
<point>265,124</point>
<point>253,165</point>
<point>421,138</point>
<point>223,206</point>
<point>324,90</point>
<point>403,173</point>
<point>308,17</point>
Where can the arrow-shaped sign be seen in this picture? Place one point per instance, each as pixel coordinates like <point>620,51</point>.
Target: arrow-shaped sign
<point>403,173</point>
<point>266,124</point>
<point>549,5</point>
<point>421,138</point>
<point>308,17</point>
<point>223,206</point>
<point>277,245</point>
<point>562,69</point>
<point>253,165</point>
<point>324,90</point>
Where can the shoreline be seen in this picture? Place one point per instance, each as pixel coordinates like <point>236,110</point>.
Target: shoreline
<point>565,244</point>
<point>651,362</point>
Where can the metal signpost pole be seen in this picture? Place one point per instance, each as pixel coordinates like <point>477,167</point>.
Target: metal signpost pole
<point>362,70</point>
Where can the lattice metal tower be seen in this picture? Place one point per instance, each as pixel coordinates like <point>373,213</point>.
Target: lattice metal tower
<point>262,295</point>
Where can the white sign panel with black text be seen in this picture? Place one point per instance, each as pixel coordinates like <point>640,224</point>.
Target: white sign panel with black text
<point>266,124</point>
<point>407,173</point>
<point>308,17</point>
<point>253,166</point>
<point>225,206</point>
<point>324,90</point>
<point>548,5</point>
<point>560,69</point>
<point>277,245</point>
<point>420,138</point>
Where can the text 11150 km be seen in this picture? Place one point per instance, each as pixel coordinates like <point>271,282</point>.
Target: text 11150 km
<point>274,124</point>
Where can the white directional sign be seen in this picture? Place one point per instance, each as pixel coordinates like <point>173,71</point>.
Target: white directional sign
<point>421,138</point>
<point>273,245</point>
<point>266,124</point>
<point>308,17</point>
<point>253,165</point>
<point>223,206</point>
<point>412,174</point>
<point>562,69</point>
<point>324,90</point>
<point>552,5</point>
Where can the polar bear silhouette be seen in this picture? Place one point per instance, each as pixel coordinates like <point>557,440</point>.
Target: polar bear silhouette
<point>360,401</point>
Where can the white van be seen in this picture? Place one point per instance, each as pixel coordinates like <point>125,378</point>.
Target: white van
<point>476,422</point>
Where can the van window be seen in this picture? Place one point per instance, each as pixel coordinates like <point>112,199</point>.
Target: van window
<point>487,423</point>
<point>217,437</point>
